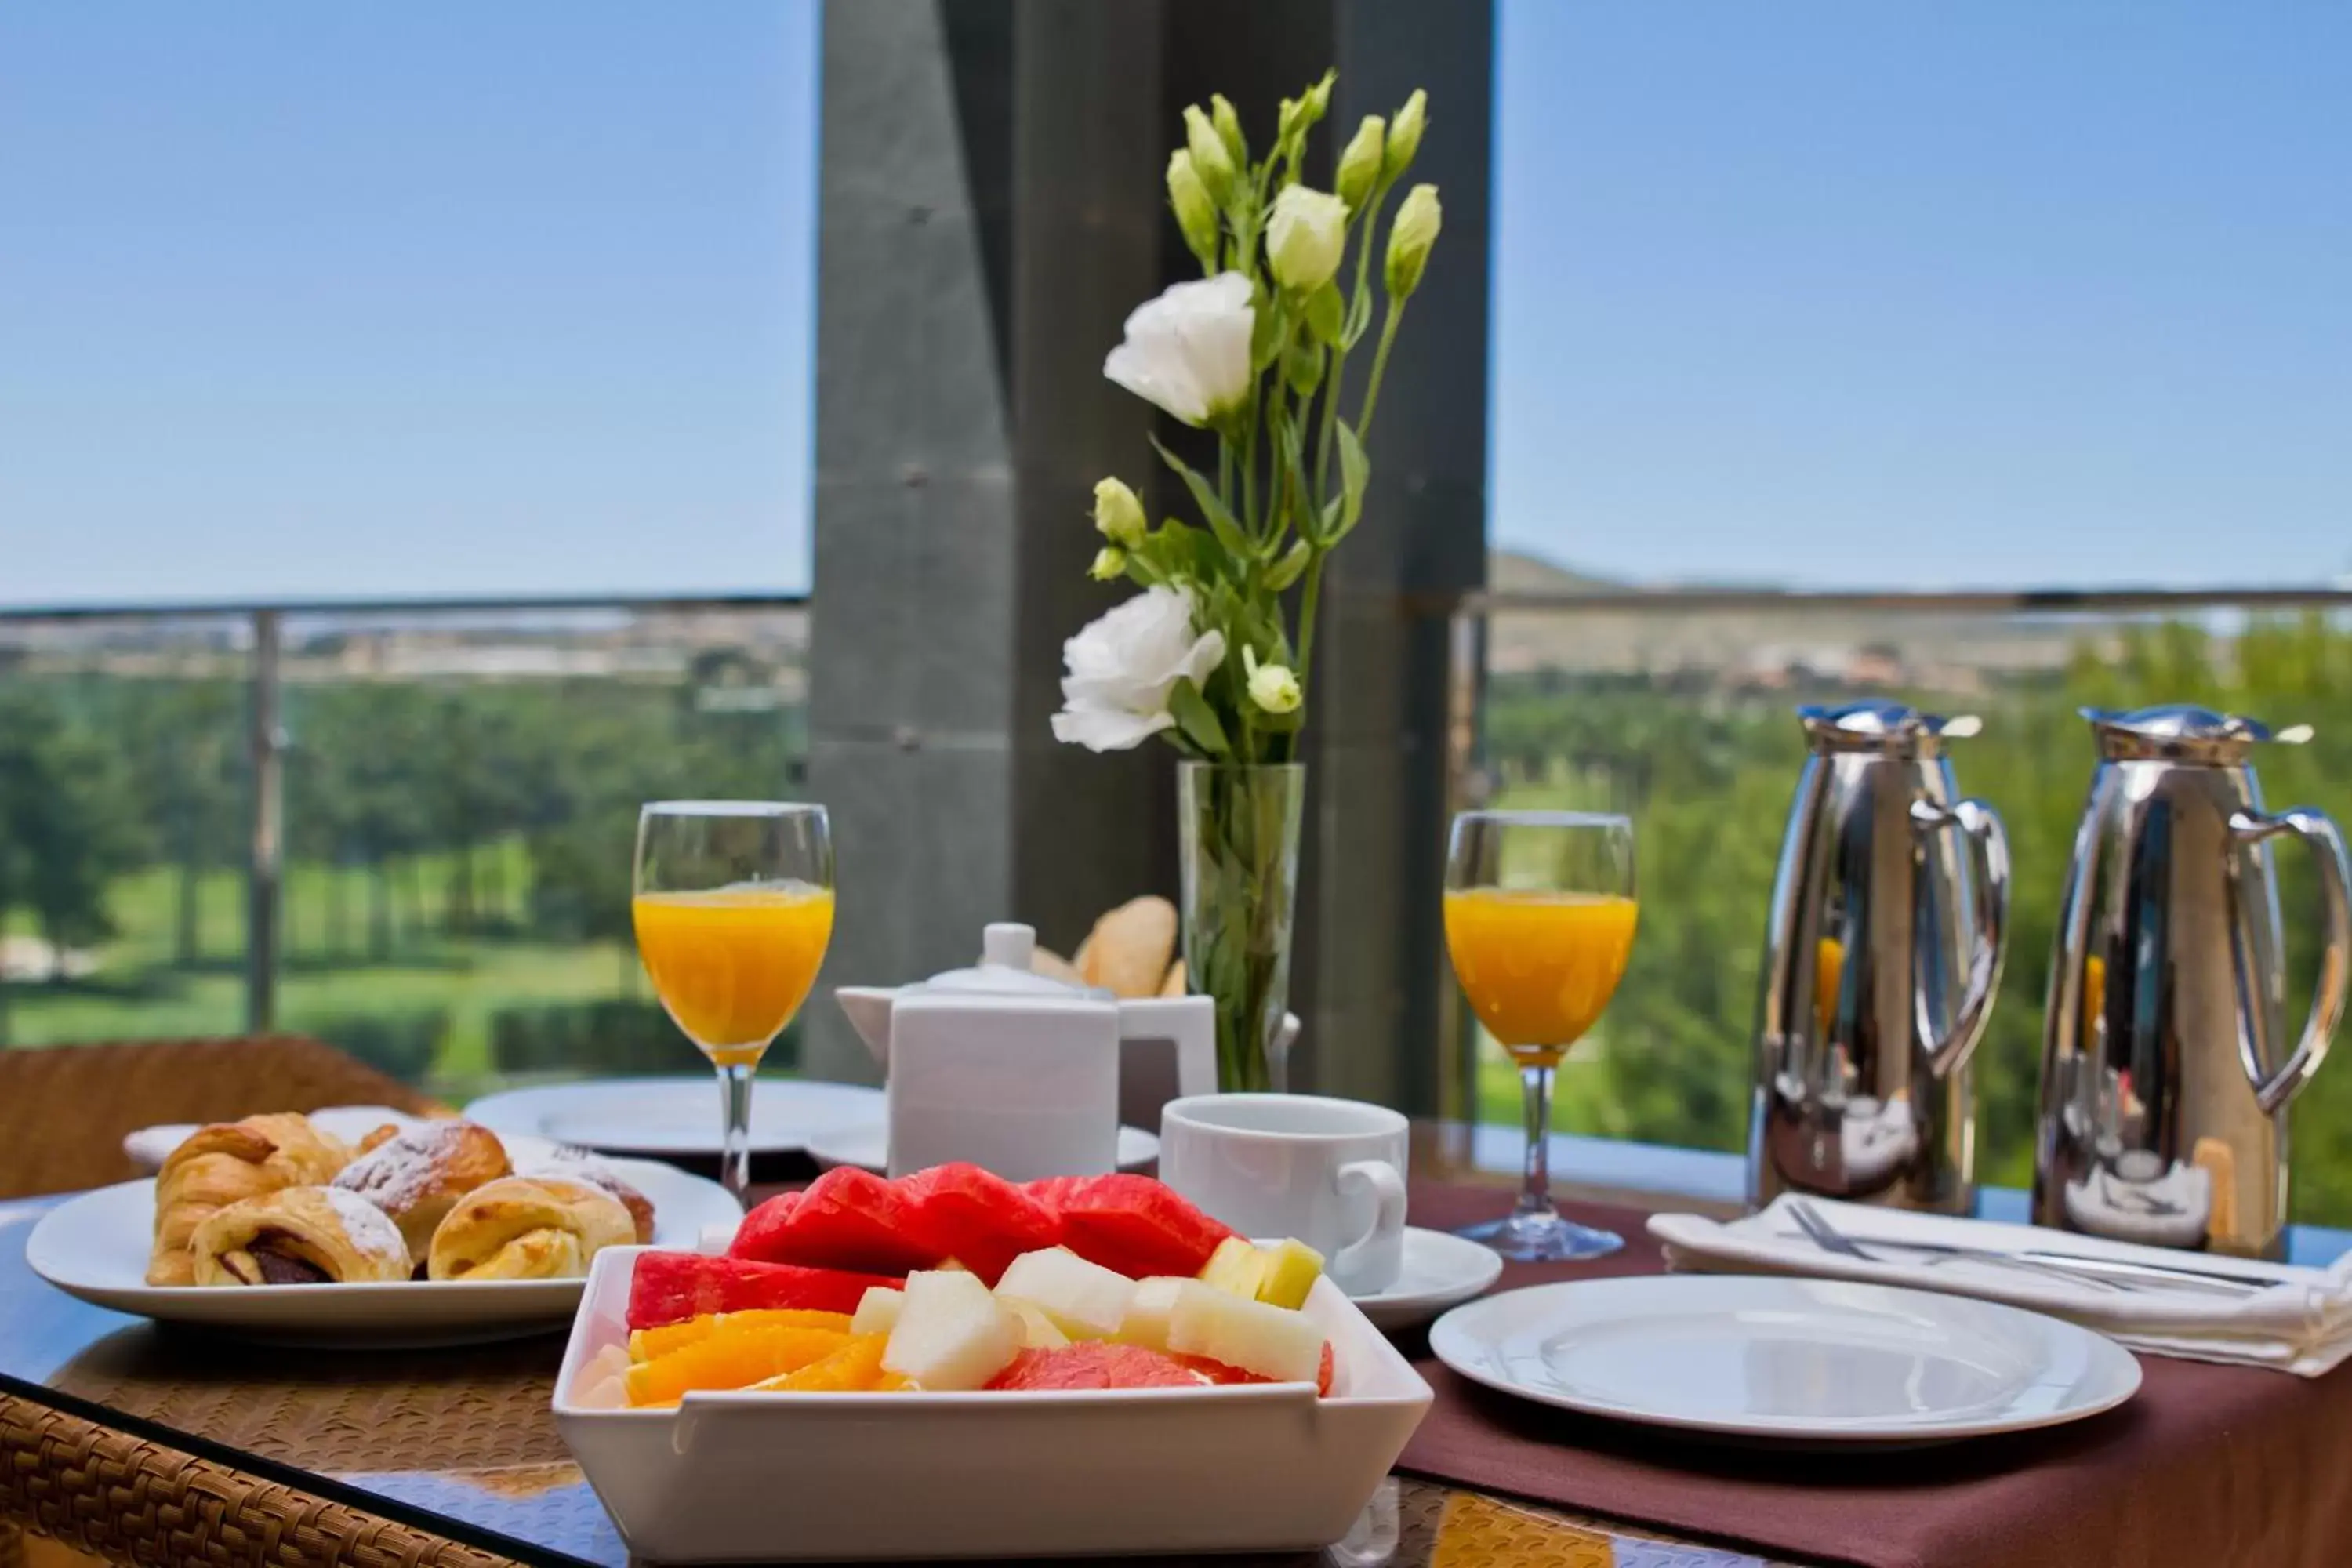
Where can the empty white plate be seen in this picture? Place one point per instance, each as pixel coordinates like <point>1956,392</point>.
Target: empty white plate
<point>866,1145</point>
<point>1815,1360</point>
<point>1440,1270</point>
<point>676,1115</point>
<point>95,1246</point>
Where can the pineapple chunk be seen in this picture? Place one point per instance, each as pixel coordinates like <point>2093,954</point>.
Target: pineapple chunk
<point>1037,1329</point>
<point>1271,1341</point>
<point>1085,1301</point>
<point>877,1310</point>
<point>1291,1270</point>
<point>951,1334</point>
<point>1147,1311</point>
<point>1237,1267</point>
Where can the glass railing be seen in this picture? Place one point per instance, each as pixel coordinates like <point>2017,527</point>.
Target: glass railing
<point>425,812</point>
<point>1678,708</point>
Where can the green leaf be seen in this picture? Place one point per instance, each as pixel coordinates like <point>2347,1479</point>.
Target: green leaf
<point>1355,473</point>
<point>1303,368</point>
<point>1327,313</point>
<point>1359,316</point>
<point>1288,570</point>
<point>1204,495</point>
<point>1195,718</point>
<point>1269,329</point>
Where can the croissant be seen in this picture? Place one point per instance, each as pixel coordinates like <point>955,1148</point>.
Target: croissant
<point>417,1177</point>
<point>303,1236</point>
<point>568,1164</point>
<point>524,1228</point>
<point>226,1163</point>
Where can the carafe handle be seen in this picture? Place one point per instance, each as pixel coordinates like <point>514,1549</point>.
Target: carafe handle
<point>2317,829</point>
<point>1981,824</point>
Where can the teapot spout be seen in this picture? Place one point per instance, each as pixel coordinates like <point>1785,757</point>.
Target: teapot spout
<point>869,1009</point>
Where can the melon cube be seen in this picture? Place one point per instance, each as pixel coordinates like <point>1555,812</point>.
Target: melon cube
<point>877,1310</point>
<point>951,1334</point>
<point>1085,1301</point>
<point>1038,1332</point>
<point>1272,1342</point>
<point>1149,1309</point>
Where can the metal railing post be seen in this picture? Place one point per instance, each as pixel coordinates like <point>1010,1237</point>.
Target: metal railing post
<point>1457,1035</point>
<point>265,746</point>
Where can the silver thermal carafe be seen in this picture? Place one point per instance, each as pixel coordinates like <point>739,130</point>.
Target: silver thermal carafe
<point>1884,947</point>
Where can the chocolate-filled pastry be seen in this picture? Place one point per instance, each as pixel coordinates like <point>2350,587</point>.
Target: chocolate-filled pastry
<point>566,1163</point>
<point>303,1236</point>
<point>226,1163</point>
<point>417,1177</point>
<point>529,1228</point>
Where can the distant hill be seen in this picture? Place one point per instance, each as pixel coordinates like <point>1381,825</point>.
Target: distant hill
<point>1515,572</point>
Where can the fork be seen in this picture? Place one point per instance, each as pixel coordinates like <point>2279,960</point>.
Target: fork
<point>1829,1239</point>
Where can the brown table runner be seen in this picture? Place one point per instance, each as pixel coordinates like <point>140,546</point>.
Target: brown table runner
<point>2207,1465</point>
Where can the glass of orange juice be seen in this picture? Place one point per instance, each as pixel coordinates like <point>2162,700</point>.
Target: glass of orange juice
<point>733,908</point>
<point>1539,914</point>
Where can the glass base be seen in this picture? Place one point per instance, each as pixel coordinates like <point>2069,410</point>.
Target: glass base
<point>1543,1238</point>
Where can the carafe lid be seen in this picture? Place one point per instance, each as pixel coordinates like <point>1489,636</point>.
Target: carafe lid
<point>1003,970</point>
<point>2182,732</point>
<point>1893,727</point>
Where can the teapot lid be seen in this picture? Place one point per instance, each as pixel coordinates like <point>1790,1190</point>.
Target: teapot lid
<point>1879,726</point>
<point>1003,970</point>
<point>2183,732</point>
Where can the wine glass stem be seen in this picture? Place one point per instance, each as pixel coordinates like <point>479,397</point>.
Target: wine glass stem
<point>1535,1190</point>
<point>735,1160</point>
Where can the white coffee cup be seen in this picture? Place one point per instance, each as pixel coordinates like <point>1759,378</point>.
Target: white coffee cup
<point>1329,1172</point>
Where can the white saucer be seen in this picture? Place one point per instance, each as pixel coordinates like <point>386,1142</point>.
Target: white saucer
<point>674,1115</point>
<point>1806,1361</point>
<point>866,1145</point>
<point>1440,1270</point>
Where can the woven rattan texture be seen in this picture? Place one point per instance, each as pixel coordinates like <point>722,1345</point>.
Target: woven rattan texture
<point>64,1109</point>
<point>138,1503</point>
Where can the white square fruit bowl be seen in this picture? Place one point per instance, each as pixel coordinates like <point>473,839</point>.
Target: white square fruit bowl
<point>730,1477</point>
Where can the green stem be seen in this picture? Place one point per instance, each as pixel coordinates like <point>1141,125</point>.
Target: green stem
<point>1394,314</point>
<point>1310,599</point>
<point>1332,379</point>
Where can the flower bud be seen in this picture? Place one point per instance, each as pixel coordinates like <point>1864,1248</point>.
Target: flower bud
<point>1118,515</point>
<point>1229,129</point>
<point>1196,215</point>
<point>1111,563</point>
<point>1306,238</point>
<point>1360,164</point>
<point>1317,101</point>
<point>1272,687</point>
<point>1404,134</point>
<point>1211,161</point>
<point>1409,239</point>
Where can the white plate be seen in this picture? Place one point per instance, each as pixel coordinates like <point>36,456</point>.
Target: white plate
<point>866,1145</point>
<point>1269,1468</point>
<point>1440,1270</point>
<point>676,1115</point>
<point>95,1246</point>
<point>151,1146</point>
<point>1816,1361</point>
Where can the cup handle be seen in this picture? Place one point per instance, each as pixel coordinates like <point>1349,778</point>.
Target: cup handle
<point>1388,1213</point>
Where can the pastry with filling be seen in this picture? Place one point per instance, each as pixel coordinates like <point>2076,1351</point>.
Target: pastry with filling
<point>418,1176</point>
<point>528,1227</point>
<point>303,1236</point>
<point>226,1164</point>
<point>570,1164</point>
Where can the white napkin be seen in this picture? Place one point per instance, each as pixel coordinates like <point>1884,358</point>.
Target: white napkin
<point>2302,1323</point>
<point>151,1146</point>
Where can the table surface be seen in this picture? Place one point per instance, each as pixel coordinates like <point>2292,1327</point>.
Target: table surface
<point>460,1442</point>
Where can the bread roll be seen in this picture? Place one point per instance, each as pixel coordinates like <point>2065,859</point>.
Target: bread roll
<point>1129,952</point>
<point>525,1227</point>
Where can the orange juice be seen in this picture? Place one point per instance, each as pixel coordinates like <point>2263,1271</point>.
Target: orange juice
<point>734,966</point>
<point>1538,968</point>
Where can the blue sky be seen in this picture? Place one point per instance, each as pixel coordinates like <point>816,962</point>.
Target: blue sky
<point>326,300</point>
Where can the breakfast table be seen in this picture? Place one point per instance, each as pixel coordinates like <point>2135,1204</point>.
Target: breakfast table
<point>149,1445</point>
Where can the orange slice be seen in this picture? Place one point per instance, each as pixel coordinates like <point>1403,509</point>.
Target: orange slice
<point>730,1359</point>
<point>644,1344</point>
<point>855,1368</point>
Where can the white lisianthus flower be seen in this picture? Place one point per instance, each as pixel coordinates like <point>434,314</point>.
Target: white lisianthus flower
<point>1273,686</point>
<point>1120,669</point>
<point>1306,238</point>
<point>1189,349</point>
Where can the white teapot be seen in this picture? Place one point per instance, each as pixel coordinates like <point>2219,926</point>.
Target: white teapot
<point>1023,1074</point>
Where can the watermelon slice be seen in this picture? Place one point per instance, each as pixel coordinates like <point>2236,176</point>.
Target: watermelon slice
<point>983,1221</point>
<point>672,1287</point>
<point>1095,1363</point>
<point>847,1219</point>
<point>1135,1224</point>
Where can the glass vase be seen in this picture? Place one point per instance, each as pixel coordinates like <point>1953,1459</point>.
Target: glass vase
<point>1240,851</point>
